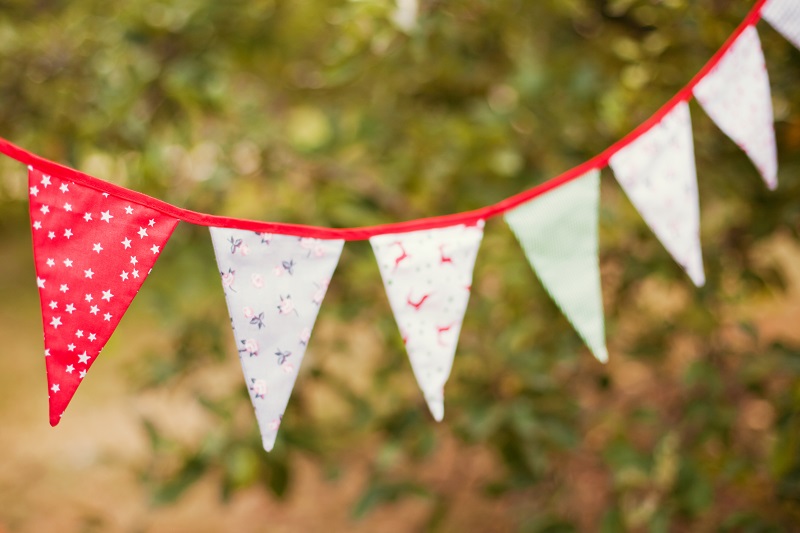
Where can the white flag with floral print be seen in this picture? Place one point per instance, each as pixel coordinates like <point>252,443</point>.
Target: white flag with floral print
<point>428,279</point>
<point>737,97</point>
<point>657,172</point>
<point>274,286</point>
<point>784,16</point>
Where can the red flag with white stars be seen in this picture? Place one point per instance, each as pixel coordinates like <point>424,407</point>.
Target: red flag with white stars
<point>92,250</point>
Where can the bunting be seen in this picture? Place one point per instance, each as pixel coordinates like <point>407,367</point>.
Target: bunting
<point>274,286</point>
<point>657,172</point>
<point>428,279</point>
<point>784,16</point>
<point>736,95</point>
<point>95,243</point>
<point>92,251</point>
<point>558,232</point>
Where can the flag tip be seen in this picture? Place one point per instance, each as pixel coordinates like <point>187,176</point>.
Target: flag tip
<point>437,409</point>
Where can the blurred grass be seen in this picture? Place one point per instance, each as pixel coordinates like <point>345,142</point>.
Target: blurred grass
<point>325,112</point>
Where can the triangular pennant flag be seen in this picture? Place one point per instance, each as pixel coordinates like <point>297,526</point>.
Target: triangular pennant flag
<point>274,286</point>
<point>92,250</point>
<point>736,95</point>
<point>784,16</point>
<point>657,172</point>
<point>558,232</point>
<point>428,279</point>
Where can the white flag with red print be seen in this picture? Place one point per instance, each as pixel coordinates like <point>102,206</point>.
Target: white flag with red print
<point>657,172</point>
<point>428,279</point>
<point>274,286</point>
<point>737,96</point>
<point>92,250</point>
<point>784,16</point>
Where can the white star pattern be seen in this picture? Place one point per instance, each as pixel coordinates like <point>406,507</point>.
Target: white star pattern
<point>55,387</point>
<point>73,268</point>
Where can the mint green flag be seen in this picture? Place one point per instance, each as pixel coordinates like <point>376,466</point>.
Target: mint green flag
<point>558,232</point>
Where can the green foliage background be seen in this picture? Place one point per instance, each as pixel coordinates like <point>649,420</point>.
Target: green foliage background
<point>326,112</point>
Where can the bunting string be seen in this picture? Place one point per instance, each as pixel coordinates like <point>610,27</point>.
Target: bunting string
<point>95,243</point>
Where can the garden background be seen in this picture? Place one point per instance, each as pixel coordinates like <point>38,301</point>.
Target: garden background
<point>349,113</point>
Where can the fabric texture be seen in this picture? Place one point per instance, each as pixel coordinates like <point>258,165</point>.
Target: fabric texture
<point>92,252</point>
<point>737,96</point>
<point>784,16</point>
<point>274,286</point>
<point>558,232</point>
<point>428,279</point>
<point>657,172</point>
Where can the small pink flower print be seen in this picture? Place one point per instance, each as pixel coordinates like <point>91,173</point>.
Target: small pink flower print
<point>244,250</point>
<point>257,280</point>
<point>266,238</point>
<point>228,278</point>
<point>248,312</point>
<point>319,251</point>
<point>319,295</point>
<point>278,271</point>
<point>250,347</point>
<point>275,424</point>
<point>305,335</point>
<point>287,306</point>
<point>307,243</point>
<point>259,388</point>
<point>287,368</point>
